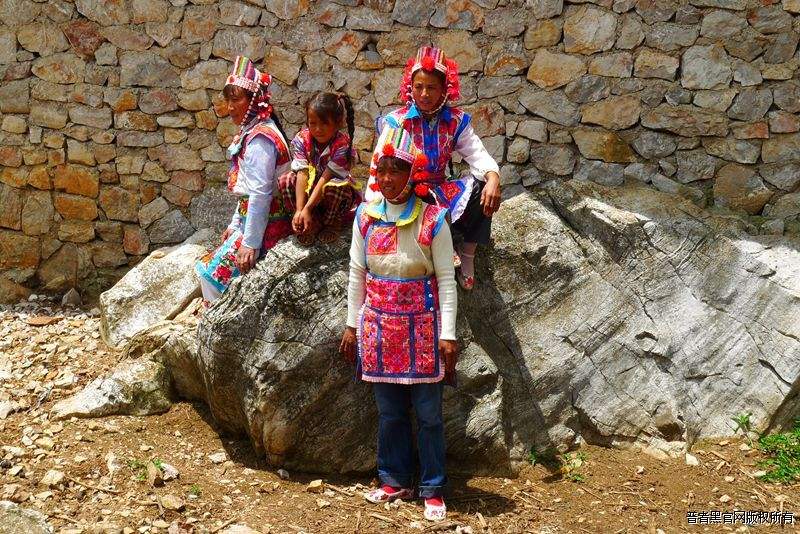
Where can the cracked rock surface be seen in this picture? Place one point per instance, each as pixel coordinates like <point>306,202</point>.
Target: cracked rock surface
<point>617,316</point>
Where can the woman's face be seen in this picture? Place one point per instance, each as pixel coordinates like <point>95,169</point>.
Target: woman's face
<point>427,90</point>
<point>392,183</point>
<point>237,107</point>
<point>321,131</point>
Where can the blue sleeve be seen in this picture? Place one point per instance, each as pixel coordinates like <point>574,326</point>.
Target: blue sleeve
<point>440,220</point>
<point>463,126</point>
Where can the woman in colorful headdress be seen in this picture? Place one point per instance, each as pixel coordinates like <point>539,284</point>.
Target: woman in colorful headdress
<point>401,319</point>
<point>430,84</point>
<point>259,154</point>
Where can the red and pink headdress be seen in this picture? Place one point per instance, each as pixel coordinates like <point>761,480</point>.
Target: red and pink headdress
<point>429,59</point>
<point>398,143</point>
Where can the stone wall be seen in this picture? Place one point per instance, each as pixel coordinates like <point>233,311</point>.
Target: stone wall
<point>113,132</point>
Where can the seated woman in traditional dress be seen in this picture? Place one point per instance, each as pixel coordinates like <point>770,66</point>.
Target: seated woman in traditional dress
<point>430,82</point>
<point>259,154</point>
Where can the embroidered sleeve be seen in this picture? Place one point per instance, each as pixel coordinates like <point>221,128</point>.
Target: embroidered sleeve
<point>471,148</point>
<point>338,163</point>
<point>257,176</point>
<point>433,217</point>
<point>362,220</point>
<point>299,152</point>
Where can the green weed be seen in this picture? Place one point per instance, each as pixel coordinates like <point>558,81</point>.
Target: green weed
<point>783,464</point>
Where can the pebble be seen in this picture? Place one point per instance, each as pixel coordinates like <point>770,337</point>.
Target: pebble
<point>217,457</point>
<point>692,460</point>
<point>316,486</point>
<point>52,478</point>
<point>71,298</point>
<point>172,502</point>
<point>283,474</point>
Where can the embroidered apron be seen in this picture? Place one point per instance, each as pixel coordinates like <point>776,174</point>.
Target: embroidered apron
<point>399,324</point>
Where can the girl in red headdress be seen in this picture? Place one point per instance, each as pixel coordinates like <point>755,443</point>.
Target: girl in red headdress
<point>401,320</point>
<point>430,83</point>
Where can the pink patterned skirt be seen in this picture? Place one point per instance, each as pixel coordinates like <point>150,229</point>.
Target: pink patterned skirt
<point>398,331</point>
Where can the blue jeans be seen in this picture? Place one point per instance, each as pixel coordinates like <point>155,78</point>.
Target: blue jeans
<point>395,447</point>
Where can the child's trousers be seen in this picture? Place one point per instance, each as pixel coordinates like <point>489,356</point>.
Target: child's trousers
<point>395,447</point>
<point>336,201</point>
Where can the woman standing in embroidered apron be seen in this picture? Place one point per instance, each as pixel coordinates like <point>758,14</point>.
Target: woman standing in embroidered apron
<point>259,154</point>
<point>401,316</point>
<point>430,83</point>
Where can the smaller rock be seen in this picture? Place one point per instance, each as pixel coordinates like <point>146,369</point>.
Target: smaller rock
<point>772,227</point>
<point>316,486</point>
<point>218,457</point>
<point>52,478</point>
<point>172,502</point>
<point>154,475</point>
<point>71,298</point>
<point>283,474</point>
<point>322,503</point>
<point>169,472</point>
<point>692,460</point>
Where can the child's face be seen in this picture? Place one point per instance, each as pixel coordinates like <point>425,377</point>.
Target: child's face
<point>427,90</point>
<point>237,107</point>
<point>392,183</point>
<point>321,131</point>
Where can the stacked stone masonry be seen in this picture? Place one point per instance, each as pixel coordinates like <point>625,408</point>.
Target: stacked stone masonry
<point>113,133</point>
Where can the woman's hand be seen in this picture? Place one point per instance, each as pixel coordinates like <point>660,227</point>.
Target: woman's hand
<point>226,234</point>
<point>302,221</point>
<point>448,349</point>
<point>245,258</point>
<point>347,347</point>
<point>490,197</point>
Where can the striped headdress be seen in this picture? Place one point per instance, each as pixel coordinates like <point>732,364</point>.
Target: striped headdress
<point>247,76</point>
<point>399,143</point>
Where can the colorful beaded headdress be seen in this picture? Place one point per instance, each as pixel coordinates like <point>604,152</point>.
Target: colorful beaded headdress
<point>398,143</point>
<point>429,59</point>
<point>248,77</point>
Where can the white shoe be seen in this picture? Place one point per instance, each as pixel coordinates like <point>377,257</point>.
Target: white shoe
<point>379,496</point>
<point>435,512</point>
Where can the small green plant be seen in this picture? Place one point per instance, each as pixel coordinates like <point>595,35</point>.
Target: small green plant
<point>783,463</point>
<point>138,468</point>
<point>743,423</point>
<point>158,462</point>
<point>571,464</point>
<point>195,490</point>
<point>134,464</point>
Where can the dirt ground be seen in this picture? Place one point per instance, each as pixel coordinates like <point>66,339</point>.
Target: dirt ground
<point>90,475</point>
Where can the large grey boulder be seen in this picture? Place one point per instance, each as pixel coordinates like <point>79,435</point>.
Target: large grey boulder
<point>158,288</point>
<point>619,316</point>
